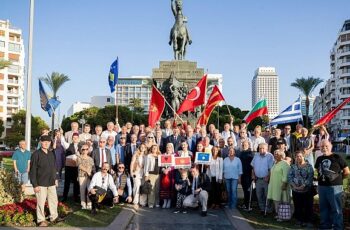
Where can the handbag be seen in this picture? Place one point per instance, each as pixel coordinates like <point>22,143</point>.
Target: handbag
<point>100,193</point>
<point>146,188</point>
<point>284,209</point>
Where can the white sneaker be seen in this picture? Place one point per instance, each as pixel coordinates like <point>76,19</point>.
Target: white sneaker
<point>157,205</point>
<point>168,203</point>
<point>165,203</point>
<point>151,206</point>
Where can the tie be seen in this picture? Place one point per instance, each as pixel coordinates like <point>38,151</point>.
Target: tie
<point>103,157</point>
<point>195,183</point>
<point>133,149</point>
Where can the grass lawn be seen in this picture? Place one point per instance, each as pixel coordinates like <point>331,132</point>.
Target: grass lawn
<point>83,218</point>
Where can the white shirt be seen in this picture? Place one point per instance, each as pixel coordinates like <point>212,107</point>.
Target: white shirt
<point>256,141</point>
<point>107,180</point>
<point>107,133</point>
<point>104,156</point>
<point>215,168</point>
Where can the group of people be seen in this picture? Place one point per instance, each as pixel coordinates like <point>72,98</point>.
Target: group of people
<point>121,165</point>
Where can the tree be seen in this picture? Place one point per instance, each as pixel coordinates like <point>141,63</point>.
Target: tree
<point>17,131</point>
<point>306,86</point>
<point>136,105</point>
<point>4,64</point>
<point>54,82</point>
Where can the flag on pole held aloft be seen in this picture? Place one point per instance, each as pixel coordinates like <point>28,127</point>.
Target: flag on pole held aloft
<point>289,115</point>
<point>113,75</point>
<point>48,105</point>
<point>156,106</point>
<point>214,99</point>
<point>195,98</point>
<point>259,109</point>
<point>330,115</point>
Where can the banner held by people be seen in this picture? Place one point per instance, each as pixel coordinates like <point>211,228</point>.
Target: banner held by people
<point>156,107</point>
<point>259,109</point>
<point>195,98</point>
<point>214,99</point>
<point>289,115</point>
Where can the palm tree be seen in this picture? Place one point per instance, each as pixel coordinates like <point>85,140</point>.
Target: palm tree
<point>306,86</point>
<point>54,82</point>
<point>4,64</point>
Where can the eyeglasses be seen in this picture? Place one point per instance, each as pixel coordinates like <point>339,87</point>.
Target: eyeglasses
<point>122,138</point>
<point>104,169</point>
<point>102,141</point>
<point>84,149</point>
<point>121,167</point>
<point>150,137</point>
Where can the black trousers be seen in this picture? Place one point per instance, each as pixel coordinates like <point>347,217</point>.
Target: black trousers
<point>107,200</point>
<point>303,203</point>
<point>246,184</point>
<point>71,175</point>
<point>215,193</point>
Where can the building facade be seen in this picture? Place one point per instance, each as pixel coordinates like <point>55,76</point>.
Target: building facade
<point>78,107</point>
<point>12,77</point>
<point>265,84</point>
<point>337,87</point>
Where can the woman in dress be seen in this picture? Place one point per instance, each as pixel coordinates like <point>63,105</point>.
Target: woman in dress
<point>278,186</point>
<point>167,180</point>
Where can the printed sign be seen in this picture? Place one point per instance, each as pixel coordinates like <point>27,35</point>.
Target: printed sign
<point>202,158</point>
<point>165,160</point>
<point>182,162</point>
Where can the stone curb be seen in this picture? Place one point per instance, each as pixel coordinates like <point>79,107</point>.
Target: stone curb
<point>237,220</point>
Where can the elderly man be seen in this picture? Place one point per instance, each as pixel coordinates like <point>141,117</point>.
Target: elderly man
<point>200,188</point>
<point>74,129</point>
<point>102,182</point>
<point>110,130</point>
<point>331,168</point>
<point>85,135</point>
<point>262,164</point>
<point>123,184</point>
<point>101,155</point>
<point>21,163</point>
<point>43,178</point>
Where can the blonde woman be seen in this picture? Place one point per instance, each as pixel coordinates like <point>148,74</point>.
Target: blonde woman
<point>152,174</point>
<point>137,172</point>
<point>85,164</point>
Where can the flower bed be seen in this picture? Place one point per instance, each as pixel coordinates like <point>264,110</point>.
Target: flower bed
<point>24,213</point>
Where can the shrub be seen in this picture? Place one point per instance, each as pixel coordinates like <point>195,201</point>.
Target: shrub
<point>10,189</point>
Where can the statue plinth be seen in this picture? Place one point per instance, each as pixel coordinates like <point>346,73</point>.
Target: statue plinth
<point>175,79</point>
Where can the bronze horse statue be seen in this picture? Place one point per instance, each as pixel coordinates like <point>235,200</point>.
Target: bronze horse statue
<point>179,36</point>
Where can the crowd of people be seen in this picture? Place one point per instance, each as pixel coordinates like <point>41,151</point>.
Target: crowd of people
<point>120,165</point>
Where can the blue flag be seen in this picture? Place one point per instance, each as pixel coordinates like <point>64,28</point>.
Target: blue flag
<point>289,115</point>
<point>203,158</point>
<point>113,75</point>
<point>48,105</point>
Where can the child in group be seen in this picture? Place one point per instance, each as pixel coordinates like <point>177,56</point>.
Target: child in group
<point>183,188</point>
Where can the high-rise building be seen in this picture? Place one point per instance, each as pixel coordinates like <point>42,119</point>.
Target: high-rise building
<point>12,77</point>
<point>311,106</point>
<point>337,87</point>
<point>265,84</point>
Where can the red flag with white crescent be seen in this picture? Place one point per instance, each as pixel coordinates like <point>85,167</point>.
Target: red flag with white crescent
<point>195,98</point>
<point>156,106</point>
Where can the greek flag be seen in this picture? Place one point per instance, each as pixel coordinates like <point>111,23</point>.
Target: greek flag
<point>289,115</point>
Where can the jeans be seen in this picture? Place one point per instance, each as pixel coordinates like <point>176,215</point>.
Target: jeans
<point>23,178</point>
<point>331,213</point>
<point>261,194</point>
<point>231,187</point>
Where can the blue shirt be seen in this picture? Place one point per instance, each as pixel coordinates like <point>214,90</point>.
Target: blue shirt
<point>262,164</point>
<point>113,152</point>
<point>232,168</point>
<point>21,159</point>
<point>120,150</point>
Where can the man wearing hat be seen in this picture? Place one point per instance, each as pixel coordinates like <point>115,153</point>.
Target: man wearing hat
<point>281,145</point>
<point>43,178</point>
<point>71,169</point>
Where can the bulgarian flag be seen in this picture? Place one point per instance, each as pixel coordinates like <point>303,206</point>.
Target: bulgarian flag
<point>259,109</point>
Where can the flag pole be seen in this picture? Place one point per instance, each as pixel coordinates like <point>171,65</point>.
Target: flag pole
<point>228,108</point>
<point>116,105</point>
<point>29,78</point>
<point>177,115</point>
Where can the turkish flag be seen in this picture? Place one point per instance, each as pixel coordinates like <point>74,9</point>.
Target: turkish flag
<point>195,98</point>
<point>214,99</point>
<point>156,106</point>
<point>329,116</point>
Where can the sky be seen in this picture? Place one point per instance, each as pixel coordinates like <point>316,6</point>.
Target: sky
<point>82,38</point>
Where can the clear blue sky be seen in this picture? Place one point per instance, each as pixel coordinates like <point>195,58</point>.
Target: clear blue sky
<point>82,38</point>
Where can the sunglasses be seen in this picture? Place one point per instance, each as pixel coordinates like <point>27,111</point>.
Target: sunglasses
<point>150,137</point>
<point>84,149</point>
<point>121,167</point>
<point>102,141</point>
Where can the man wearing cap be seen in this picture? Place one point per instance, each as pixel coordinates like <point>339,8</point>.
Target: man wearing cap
<point>43,178</point>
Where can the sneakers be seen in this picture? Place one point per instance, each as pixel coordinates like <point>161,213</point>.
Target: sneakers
<point>184,211</point>
<point>204,213</point>
<point>176,211</point>
<point>151,206</point>
<point>43,224</point>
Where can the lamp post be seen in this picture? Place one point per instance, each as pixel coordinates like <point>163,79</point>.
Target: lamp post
<point>82,121</point>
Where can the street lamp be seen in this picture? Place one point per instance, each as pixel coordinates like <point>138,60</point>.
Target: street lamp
<point>82,121</point>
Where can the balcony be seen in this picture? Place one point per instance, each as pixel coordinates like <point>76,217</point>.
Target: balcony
<point>343,63</point>
<point>344,73</point>
<point>13,92</point>
<point>12,82</point>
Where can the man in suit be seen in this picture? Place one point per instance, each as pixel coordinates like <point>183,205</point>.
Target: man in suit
<point>200,184</point>
<point>160,140</point>
<point>68,136</point>
<point>175,139</point>
<point>224,151</point>
<point>167,131</point>
<point>71,169</point>
<point>129,151</point>
<point>101,155</point>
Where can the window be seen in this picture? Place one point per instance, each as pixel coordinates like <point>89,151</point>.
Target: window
<point>108,99</point>
<point>2,44</point>
<point>14,47</point>
<point>2,33</point>
<point>13,69</point>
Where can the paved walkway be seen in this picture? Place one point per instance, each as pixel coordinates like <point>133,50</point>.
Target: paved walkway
<point>158,218</point>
